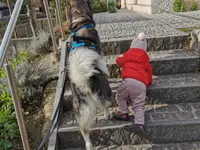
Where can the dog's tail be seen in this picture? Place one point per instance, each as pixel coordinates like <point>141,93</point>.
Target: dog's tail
<point>83,64</point>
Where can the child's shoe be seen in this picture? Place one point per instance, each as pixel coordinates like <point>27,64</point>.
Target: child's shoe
<point>120,116</point>
<point>141,130</point>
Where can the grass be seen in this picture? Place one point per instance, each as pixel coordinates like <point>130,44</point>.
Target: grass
<point>188,30</point>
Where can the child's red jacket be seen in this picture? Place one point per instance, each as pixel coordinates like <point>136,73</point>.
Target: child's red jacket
<point>135,64</point>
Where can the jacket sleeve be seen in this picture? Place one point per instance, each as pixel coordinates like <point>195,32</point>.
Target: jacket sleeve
<point>149,72</point>
<point>120,61</point>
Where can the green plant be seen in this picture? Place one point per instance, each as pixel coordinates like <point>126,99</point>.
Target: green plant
<point>8,124</point>
<point>63,16</point>
<point>178,5</point>
<point>194,5</point>
<point>22,56</point>
<point>112,6</point>
<point>99,6</point>
<point>8,128</point>
<point>5,144</point>
<point>5,101</point>
<point>40,44</point>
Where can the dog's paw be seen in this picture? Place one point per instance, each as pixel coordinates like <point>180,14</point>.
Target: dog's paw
<point>108,116</point>
<point>96,120</point>
<point>89,146</point>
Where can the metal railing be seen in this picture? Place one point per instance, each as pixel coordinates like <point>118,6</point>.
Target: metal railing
<point>9,31</point>
<point>8,67</point>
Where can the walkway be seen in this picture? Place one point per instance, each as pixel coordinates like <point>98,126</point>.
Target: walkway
<point>126,24</point>
<point>122,16</point>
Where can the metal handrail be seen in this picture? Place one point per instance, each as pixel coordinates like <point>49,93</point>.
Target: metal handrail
<point>8,67</point>
<point>9,31</point>
<point>10,75</point>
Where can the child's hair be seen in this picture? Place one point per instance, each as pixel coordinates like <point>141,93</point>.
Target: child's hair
<point>139,42</point>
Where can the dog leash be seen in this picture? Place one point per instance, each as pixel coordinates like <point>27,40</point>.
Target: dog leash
<point>57,112</point>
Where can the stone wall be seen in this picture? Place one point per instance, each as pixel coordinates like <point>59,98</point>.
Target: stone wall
<point>159,6</point>
<point>24,29</point>
<point>188,4</point>
<point>155,6</point>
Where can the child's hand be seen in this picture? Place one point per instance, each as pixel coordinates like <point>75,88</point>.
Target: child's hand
<point>122,55</point>
<point>154,77</point>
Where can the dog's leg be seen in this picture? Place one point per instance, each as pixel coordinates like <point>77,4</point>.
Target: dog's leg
<point>87,115</point>
<point>107,114</point>
<point>86,136</point>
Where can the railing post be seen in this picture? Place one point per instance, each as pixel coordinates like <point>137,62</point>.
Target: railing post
<point>57,23</point>
<point>59,18</point>
<point>10,10</point>
<point>30,21</point>
<point>46,6</point>
<point>17,105</point>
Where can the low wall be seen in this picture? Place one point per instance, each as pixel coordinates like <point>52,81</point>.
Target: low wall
<point>24,29</point>
<point>18,45</point>
<point>159,6</point>
<point>188,4</point>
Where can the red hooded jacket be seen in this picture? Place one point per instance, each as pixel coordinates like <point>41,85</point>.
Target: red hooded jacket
<point>135,64</point>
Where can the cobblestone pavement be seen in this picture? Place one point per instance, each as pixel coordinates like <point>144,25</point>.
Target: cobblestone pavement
<point>122,16</point>
<point>126,24</point>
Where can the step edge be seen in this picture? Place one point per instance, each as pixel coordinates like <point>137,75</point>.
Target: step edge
<point>158,123</point>
<point>68,92</point>
<point>196,56</point>
<point>131,38</point>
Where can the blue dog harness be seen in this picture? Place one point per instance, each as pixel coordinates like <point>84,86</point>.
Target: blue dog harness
<point>81,41</point>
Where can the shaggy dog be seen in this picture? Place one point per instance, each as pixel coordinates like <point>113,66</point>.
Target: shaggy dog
<point>86,69</point>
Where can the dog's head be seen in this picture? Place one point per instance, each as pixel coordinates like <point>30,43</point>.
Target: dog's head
<point>79,13</point>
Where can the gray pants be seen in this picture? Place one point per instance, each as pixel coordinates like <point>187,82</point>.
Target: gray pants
<point>135,91</point>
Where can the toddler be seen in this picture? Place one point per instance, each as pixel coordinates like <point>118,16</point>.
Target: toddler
<point>137,75</point>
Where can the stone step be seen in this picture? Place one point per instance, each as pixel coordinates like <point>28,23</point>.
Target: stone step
<point>174,123</point>
<point>140,8</point>
<point>177,88</point>
<point>118,45</point>
<point>144,2</point>
<point>163,62</point>
<point>170,146</point>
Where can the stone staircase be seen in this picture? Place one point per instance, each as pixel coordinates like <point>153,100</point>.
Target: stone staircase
<point>172,105</point>
<point>148,6</point>
<point>140,6</point>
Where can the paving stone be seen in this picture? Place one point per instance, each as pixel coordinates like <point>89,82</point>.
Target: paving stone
<point>171,109</point>
<point>196,107</point>
<point>158,117</point>
<point>197,113</point>
<point>184,107</point>
<point>121,16</point>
